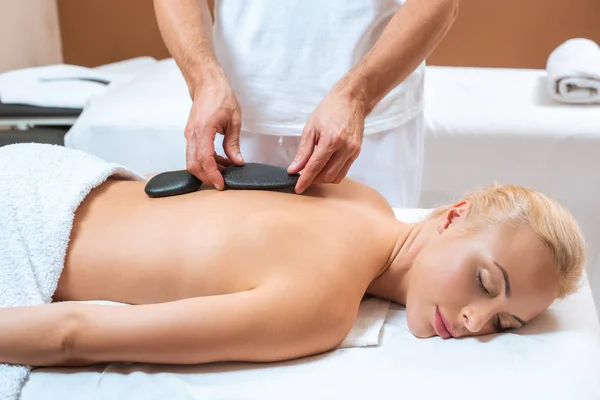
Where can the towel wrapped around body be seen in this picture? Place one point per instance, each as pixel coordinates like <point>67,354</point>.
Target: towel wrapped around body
<point>41,187</point>
<point>574,72</point>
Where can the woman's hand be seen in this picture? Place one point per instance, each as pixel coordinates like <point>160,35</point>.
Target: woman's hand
<point>215,110</point>
<point>331,141</point>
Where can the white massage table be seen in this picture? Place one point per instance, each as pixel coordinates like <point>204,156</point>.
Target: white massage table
<point>494,124</point>
<point>555,357</point>
<point>139,124</point>
<point>39,114</point>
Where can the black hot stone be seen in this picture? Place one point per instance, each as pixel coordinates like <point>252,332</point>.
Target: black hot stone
<point>251,176</point>
<point>172,183</point>
<point>256,176</point>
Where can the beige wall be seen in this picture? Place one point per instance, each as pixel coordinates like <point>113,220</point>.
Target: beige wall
<point>515,33</point>
<point>29,34</point>
<point>96,32</point>
<point>508,33</point>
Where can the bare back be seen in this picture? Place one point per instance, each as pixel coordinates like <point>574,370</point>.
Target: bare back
<point>129,248</point>
<point>213,276</point>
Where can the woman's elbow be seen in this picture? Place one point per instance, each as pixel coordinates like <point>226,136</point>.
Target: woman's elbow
<point>64,350</point>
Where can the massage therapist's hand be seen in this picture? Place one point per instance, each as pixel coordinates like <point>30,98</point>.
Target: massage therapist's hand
<point>331,141</point>
<point>215,110</point>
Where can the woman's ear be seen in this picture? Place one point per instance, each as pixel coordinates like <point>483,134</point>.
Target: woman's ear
<point>454,214</point>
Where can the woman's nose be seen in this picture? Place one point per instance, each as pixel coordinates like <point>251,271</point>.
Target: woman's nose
<point>475,318</point>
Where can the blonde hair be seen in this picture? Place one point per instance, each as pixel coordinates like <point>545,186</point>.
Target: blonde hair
<point>551,222</point>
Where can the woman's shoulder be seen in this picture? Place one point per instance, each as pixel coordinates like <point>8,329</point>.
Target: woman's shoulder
<point>356,191</point>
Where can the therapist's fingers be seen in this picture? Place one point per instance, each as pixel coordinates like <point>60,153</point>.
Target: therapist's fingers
<point>333,167</point>
<point>314,166</point>
<point>206,158</point>
<point>191,158</point>
<point>223,161</point>
<point>231,142</point>
<point>344,171</point>
<point>305,150</point>
<point>211,168</point>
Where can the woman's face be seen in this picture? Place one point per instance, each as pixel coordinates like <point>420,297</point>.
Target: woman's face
<point>466,283</point>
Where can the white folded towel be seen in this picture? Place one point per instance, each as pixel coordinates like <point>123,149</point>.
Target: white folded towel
<point>574,72</point>
<point>66,86</point>
<point>368,324</point>
<point>41,186</point>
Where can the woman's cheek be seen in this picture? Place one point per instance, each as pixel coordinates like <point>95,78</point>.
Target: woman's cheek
<point>449,274</point>
<point>456,282</point>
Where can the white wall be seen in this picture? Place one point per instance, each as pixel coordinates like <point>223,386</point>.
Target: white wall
<point>29,34</point>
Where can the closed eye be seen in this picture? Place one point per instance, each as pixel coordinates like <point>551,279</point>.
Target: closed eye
<point>497,323</point>
<point>481,285</point>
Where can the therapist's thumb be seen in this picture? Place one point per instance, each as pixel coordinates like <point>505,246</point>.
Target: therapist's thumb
<point>231,142</point>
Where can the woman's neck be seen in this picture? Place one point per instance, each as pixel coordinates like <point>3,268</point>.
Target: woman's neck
<point>393,282</point>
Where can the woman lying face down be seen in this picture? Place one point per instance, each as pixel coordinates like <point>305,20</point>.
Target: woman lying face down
<point>267,276</point>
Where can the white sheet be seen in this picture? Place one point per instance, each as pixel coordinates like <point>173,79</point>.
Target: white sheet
<point>66,86</point>
<point>486,124</point>
<point>557,356</point>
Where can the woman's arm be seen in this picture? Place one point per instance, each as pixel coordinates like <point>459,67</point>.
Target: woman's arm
<point>260,325</point>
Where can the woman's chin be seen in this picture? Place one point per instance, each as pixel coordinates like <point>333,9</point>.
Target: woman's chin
<point>423,335</point>
<point>420,329</point>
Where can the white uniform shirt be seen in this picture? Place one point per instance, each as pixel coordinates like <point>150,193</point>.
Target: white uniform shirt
<point>283,56</point>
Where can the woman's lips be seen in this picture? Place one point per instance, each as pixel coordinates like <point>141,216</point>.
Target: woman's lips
<point>441,324</point>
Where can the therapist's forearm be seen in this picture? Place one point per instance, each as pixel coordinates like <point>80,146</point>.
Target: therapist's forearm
<point>411,35</point>
<point>186,28</point>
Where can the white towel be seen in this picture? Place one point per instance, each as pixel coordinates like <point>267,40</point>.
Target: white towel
<point>367,327</point>
<point>66,86</point>
<point>41,186</point>
<point>574,72</point>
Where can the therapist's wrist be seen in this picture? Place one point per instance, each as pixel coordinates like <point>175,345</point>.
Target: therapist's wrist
<point>206,76</point>
<point>355,88</point>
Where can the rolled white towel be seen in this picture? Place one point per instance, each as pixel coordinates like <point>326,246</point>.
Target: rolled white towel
<point>574,72</point>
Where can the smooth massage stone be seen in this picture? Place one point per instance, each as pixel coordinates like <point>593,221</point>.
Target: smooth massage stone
<point>251,176</point>
<point>257,176</point>
<point>172,183</point>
